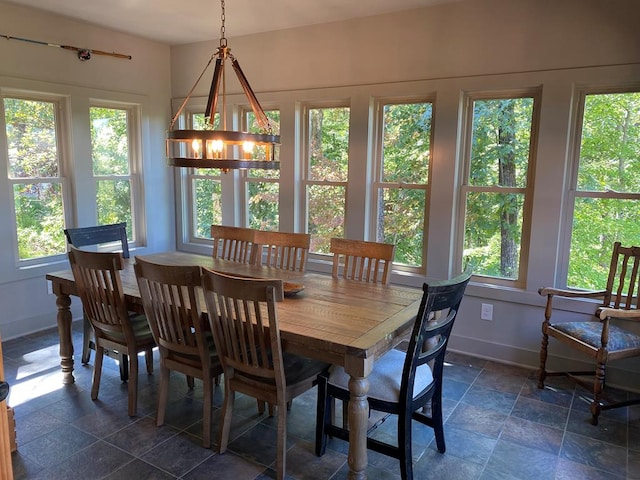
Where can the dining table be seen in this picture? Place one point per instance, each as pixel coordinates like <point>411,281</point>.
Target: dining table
<point>339,321</point>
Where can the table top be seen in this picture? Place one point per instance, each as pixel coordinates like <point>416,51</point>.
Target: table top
<point>330,319</point>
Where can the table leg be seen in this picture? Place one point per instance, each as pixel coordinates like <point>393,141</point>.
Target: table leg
<point>358,418</point>
<point>64,332</point>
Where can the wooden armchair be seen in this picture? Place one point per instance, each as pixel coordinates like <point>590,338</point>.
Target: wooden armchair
<point>244,321</point>
<point>232,243</point>
<point>286,251</point>
<point>601,338</point>
<point>97,277</point>
<point>362,261</point>
<point>116,234</point>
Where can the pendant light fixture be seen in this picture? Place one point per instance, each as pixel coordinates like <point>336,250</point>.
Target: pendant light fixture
<point>222,148</point>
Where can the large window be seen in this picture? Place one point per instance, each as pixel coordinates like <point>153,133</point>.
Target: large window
<point>262,186</point>
<point>403,177</point>
<point>497,186</point>
<point>32,129</point>
<point>606,184</point>
<point>112,157</point>
<point>326,174</point>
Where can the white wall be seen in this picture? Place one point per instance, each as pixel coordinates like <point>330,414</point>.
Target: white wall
<point>447,50</point>
<point>25,305</point>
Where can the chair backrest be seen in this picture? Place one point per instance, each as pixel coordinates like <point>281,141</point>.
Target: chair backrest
<point>428,342</point>
<point>362,261</point>
<point>97,278</point>
<point>85,236</point>
<point>232,243</point>
<point>173,303</point>
<point>286,251</point>
<point>244,322</point>
<point>623,284</point>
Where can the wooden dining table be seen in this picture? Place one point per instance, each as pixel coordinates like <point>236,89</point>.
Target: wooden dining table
<point>339,321</point>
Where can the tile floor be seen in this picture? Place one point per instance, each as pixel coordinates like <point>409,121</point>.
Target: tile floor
<point>498,426</point>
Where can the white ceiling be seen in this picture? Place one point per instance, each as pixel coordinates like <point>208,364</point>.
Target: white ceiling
<point>186,21</point>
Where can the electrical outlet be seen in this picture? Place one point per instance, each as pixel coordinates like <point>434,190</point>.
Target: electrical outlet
<point>486,311</point>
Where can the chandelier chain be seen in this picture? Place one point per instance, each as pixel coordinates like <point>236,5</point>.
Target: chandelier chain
<point>223,39</point>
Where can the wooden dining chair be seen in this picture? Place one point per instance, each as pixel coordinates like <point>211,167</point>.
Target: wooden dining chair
<point>115,235</point>
<point>232,243</point>
<point>603,336</point>
<point>402,383</point>
<point>244,321</point>
<point>362,261</point>
<point>286,251</point>
<point>97,278</point>
<point>173,303</point>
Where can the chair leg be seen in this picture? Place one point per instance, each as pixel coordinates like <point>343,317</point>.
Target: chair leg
<point>404,446</point>
<point>323,414</point>
<point>227,412</point>
<point>542,373</point>
<point>436,418</point>
<point>148,356</point>
<point>133,385</point>
<point>97,372</point>
<point>281,449</point>
<point>206,411</point>
<point>598,386</point>
<point>190,383</point>
<point>124,367</point>
<point>87,332</point>
<point>163,393</point>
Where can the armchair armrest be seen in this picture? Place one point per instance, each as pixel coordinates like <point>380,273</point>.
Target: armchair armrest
<point>571,293</point>
<point>619,313</point>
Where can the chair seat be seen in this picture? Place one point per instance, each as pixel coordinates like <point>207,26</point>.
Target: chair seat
<point>591,332</point>
<point>296,369</point>
<point>385,380</point>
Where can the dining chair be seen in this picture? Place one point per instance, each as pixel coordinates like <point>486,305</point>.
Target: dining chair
<point>603,337</point>
<point>244,321</point>
<point>172,299</point>
<point>363,261</point>
<point>232,243</point>
<point>97,278</point>
<point>115,233</point>
<point>402,384</point>
<point>283,250</point>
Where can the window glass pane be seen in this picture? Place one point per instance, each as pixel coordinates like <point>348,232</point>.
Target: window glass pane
<point>406,142</point>
<point>109,141</point>
<point>610,144</point>
<point>114,202</point>
<point>492,233</point>
<point>597,224</point>
<point>208,208</point>
<point>500,142</point>
<point>263,205</point>
<point>329,144</point>
<point>402,222</point>
<point>31,138</point>
<point>326,215</point>
<point>39,220</point>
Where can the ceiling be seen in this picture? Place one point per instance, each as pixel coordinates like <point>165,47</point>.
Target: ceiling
<point>190,21</point>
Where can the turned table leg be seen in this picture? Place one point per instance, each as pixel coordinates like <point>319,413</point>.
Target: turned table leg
<point>358,419</point>
<point>63,302</point>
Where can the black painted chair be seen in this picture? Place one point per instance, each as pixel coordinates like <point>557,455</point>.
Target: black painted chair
<point>402,383</point>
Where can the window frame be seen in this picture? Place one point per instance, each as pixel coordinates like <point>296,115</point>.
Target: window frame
<point>466,132</point>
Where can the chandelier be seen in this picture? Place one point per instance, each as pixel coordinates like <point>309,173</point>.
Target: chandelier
<point>222,148</point>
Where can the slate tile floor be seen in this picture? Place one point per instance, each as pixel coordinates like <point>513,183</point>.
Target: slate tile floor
<point>498,426</point>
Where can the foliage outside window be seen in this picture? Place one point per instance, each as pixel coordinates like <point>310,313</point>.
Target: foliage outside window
<point>262,186</point>
<point>326,174</point>
<point>606,192</point>
<point>497,187</point>
<point>32,129</point>
<point>111,156</point>
<point>205,191</point>
<point>403,179</point>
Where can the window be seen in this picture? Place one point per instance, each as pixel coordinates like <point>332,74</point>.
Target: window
<point>497,187</point>
<point>112,158</point>
<point>326,174</point>
<point>32,129</point>
<point>605,192</point>
<point>204,188</point>
<point>403,177</point>
<point>262,186</point>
